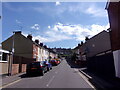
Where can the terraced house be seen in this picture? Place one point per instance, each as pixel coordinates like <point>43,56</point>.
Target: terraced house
<point>25,50</point>
<point>22,46</point>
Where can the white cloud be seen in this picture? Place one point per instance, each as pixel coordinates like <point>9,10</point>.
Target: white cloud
<point>59,32</point>
<point>49,27</point>
<point>56,36</point>
<point>17,21</point>
<point>89,8</point>
<point>96,12</point>
<point>86,8</point>
<point>35,27</point>
<point>51,37</point>
<point>78,32</point>
<point>57,3</point>
<point>40,38</point>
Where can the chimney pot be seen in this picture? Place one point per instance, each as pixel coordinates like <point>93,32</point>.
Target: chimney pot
<point>29,36</point>
<point>41,44</point>
<point>37,41</point>
<point>17,32</point>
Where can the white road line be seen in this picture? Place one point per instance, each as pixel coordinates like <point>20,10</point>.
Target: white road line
<point>50,81</point>
<point>85,79</point>
<point>11,83</point>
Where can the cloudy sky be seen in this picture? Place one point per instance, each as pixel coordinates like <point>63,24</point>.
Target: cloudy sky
<point>56,24</point>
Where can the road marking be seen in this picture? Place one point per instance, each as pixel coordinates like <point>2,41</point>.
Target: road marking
<point>50,81</point>
<point>11,83</point>
<point>85,79</point>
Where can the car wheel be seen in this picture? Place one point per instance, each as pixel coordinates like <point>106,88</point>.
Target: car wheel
<point>42,72</point>
<point>48,69</point>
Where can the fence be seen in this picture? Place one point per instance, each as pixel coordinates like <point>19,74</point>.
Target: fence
<point>102,65</point>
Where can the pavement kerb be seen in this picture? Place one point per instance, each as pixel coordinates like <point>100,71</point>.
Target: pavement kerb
<point>89,77</point>
<point>96,82</point>
<point>11,79</point>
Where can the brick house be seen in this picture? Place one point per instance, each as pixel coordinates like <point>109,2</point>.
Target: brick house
<point>26,47</point>
<point>25,51</point>
<point>23,46</point>
<point>52,54</point>
<point>113,9</point>
<point>98,54</point>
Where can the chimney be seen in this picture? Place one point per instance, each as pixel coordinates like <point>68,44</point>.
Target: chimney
<point>37,41</point>
<point>29,36</point>
<point>41,44</point>
<point>45,46</point>
<point>17,32</point>
<point>78,45</point>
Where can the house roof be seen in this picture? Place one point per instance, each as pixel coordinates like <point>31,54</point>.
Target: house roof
<point>108,3</point>
<point>19,32</point>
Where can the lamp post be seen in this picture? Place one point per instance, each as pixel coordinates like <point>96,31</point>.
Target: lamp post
<point>12,56</point>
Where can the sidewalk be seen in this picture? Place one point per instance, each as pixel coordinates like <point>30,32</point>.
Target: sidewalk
<point>9,79</point>
<point>99,82</point>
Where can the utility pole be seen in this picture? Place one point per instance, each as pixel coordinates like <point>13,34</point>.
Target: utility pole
<point>12,55</point>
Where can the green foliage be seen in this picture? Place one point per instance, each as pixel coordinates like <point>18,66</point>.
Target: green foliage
<point>74,57</point>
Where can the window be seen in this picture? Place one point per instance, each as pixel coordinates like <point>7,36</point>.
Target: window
<point>4,57</point>
<point>0,56</point>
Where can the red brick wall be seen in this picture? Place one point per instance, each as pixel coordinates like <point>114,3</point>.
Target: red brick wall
<point>23,67</point>
<point>15,69</point>
<point>22,60</point>
<point>35,51</point>
<point>114,19</point>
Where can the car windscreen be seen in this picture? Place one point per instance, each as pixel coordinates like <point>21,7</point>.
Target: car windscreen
<point>35,64</point>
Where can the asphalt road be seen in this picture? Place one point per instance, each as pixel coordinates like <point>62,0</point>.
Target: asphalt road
<point>61,76</point>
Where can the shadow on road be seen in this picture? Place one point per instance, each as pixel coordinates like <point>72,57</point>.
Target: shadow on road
<point>102,82</point>
<point>97,80</point>
<point>29,76</point>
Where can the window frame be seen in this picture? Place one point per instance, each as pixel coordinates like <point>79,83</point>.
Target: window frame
<point>1,54</point>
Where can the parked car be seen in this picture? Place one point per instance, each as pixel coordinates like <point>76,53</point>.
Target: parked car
<point>58,60</point>
<point>54,62</point>
<point>36,68</point>
<point>48,64</point>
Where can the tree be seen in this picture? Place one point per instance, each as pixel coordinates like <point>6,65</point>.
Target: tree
<point>74,57</point>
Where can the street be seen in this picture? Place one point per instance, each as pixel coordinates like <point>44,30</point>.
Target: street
<point>61,76</point>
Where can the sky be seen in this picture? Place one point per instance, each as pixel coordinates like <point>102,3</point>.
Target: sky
<point>56,24</point>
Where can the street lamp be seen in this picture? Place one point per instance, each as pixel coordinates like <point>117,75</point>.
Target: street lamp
<point>13,43</point>
<point>12,52</point>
